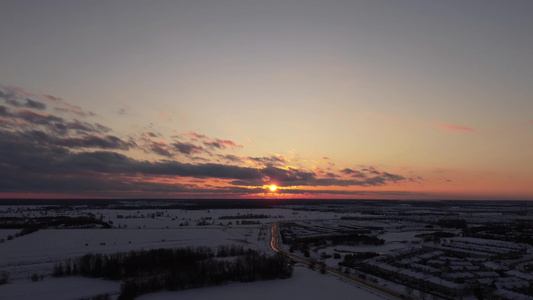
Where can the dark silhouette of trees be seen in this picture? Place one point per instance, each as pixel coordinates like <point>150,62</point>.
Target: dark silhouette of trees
<point>353,260</point>
<point>230,250</point>
<point>4,278</point>
<point>177,269</point>
<point>29,225</point>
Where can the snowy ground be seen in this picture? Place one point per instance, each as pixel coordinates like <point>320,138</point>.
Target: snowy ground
<point>305,284</point>
<point>4,233</point>
<point>36,253</point>
<point>39,251</point>
<point>58,289</point>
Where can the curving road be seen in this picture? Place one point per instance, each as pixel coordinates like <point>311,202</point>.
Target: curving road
<point>274,243</point>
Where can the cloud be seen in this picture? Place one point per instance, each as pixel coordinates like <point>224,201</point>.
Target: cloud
<point>149,143</point>
<point>80,128</point>
<point>212,143</point>
<point>287,175</point>
<point>34,161</point>
<point>417,179</point>
<point>331,175</point>
<point>75,110</point>
<point>52,98</point>
<point>4,111</point>
<point>370,181</point>
<point>191,148</point>
<point>231,157</point>
<point>187,148</point>
<point>18,97</point>
<point>87,141</point>
<point>28,116</point>
<point>392,177</point>
<point>296,177</point>
<point>353,173</point>
<point>57,151</point>
<point>102,128</point>
<point>93,141</point>
<point>18,91</point>
<point>273,160</point>
<point>30,124</point>
<point>36,150</point>
<point>161,149</point>
<point>27,102</point>
<point>34,104</point>
<point>371,170</point>
<point>455,127</point>
<point>38,118</point>
<point>369,176</point>
<point>195,136</point>
<point>265,161</point>
<point>221,144</point>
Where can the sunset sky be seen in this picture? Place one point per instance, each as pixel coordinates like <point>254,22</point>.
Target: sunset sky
<point>222,99</point>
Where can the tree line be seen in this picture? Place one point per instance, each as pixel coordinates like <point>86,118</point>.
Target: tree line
<point>154,270</point>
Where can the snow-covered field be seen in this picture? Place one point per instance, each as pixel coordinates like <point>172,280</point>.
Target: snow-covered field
<point>4,233</point>
<point>37,253</point>
<point>176,218</point>
<point>305,284</point>
<point>58,289</point>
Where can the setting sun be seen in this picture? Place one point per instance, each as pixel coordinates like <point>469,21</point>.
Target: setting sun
<point>273,188</point>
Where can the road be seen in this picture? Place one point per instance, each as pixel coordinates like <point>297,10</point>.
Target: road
<point>274,243</point>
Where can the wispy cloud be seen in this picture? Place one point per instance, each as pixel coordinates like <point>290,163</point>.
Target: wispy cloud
<point>75,110</point>
<point>211,142</point>
<point>52,98</point>
<point>455,127</point>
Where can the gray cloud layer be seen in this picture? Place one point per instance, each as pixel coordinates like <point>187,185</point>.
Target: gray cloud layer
<point>45,152</point>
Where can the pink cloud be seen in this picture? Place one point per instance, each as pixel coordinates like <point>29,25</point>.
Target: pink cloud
<point>195,136</point>
<point>102,127</point>
<point>76,110</point>
<point>221,144</point>
<point>165,116</point>
<point>52,98</point>
<point>212,142</point>
<point>455,127</point>
<point>17,90</point>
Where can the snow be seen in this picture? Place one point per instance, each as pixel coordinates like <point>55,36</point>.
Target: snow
<point>58,289</point>
<point>305,284</point>
<point>172,218</point>
<point>37,252</point>
<point>4,233</point>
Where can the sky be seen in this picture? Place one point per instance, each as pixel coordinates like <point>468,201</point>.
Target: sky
<point>222,99</point>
